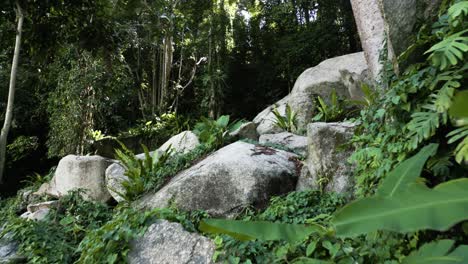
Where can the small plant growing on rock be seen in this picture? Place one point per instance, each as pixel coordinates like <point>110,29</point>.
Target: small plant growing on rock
<point>330,112</point>
<point>287,122</point>
<point>214,133</point>
<point>138,170</point>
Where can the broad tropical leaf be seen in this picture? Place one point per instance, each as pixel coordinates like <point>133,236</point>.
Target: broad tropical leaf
<point>262,230</point>
<point>438,252</point>
<point>417,208</point>
<point>406,172</point>
<point>223,121</point>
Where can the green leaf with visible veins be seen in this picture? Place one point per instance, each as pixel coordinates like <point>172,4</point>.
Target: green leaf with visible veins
<point>406,172</point>
<point>438,252</point>
<point>262,230</point>
<point>417,208</point>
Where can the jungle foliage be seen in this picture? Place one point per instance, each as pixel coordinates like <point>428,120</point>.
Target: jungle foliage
<point>114,66</point>
<point>398,195</point>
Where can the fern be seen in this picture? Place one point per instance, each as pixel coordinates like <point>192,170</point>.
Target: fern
<point>440,165</point>
<point>462,148</point>
<point>457,12</point>
<point>422,126</point>
<point>449,51</point>
<point>443,99</point>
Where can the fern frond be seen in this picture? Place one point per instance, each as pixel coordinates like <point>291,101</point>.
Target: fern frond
<point>443,99</point>
<point>440,166</point>
<point>449,51</point>
<point>461,151</point>
<point>456,12</point>
<point>423,125</point>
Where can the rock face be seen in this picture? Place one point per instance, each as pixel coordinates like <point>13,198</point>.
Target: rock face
<point>326,165</point>
<point>181,143</point>
<point>391,22</point>
<point>79,172</point>
<point>115,173</point>
<point>247,130</point>
<point>39,211</point>
<point>115,176</point>
<point>293,142</point>
<point>342,73</point>
<point>168,243</point>
<point>265,120</point>
<point>235,176</point>
<point>8,249</point>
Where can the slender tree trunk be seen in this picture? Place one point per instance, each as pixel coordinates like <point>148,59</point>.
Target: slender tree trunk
<point>166,70</point>
<point>11,92</point>
<point>154,84</point>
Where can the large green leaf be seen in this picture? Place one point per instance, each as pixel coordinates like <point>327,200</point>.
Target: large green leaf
<point>417,208</point>
<point>262,230</point>
<point>406,172</point>
<point>438,252</point>
<point>223,121</point>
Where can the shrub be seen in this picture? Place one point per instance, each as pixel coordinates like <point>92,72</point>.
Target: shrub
<point>214,133</point>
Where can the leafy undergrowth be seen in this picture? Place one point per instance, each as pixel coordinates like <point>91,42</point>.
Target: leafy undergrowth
<point>55,239</point>
<point>297,208</point>
<point>79,231</point>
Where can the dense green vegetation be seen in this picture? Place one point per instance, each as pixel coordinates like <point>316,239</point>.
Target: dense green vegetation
<point>403,200</point>
<point>120,66</point>
<point>119,69</point>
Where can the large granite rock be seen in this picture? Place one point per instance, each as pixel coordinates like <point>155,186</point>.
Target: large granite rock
<point>168,243</point>
<point>79,172</point>
<point>179,144</point>
<point>344,74</point>
<point>390,24</point>
<point>236,176</point>
<point>326,166</point>
<point>293,142</point>
<point>247,130</point>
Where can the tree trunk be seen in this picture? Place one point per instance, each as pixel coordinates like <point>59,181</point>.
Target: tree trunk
<point>166,71</point>
<point>11,92</point>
